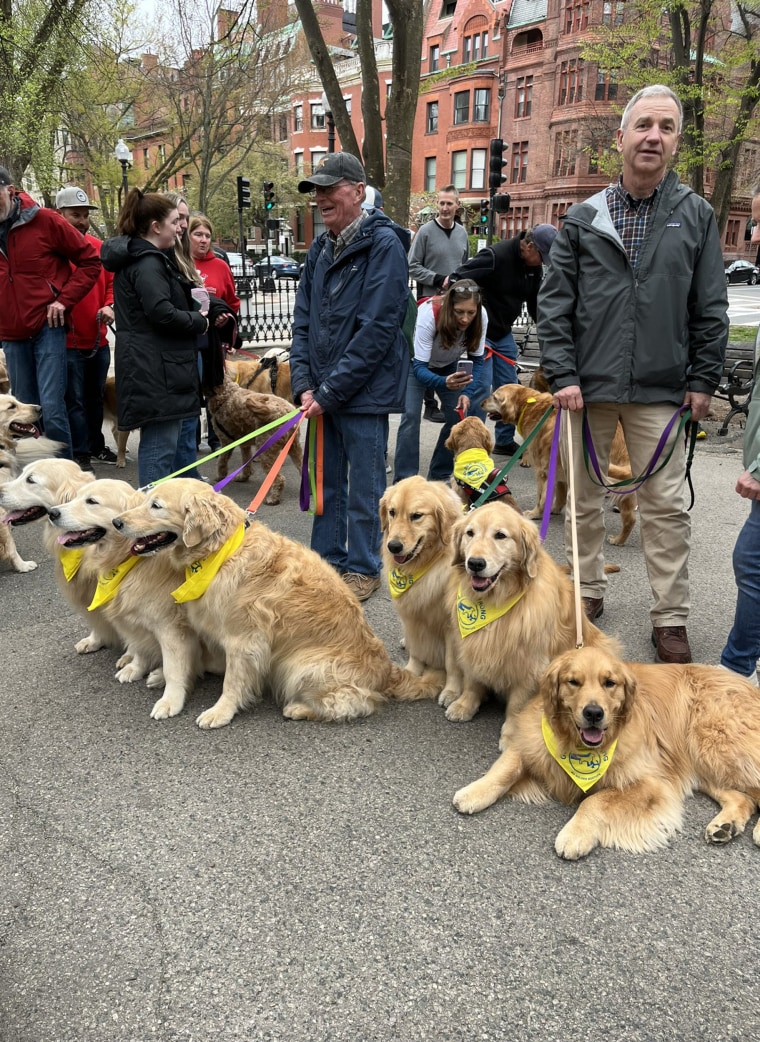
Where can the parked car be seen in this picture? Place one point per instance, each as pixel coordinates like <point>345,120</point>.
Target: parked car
<point>236,263</point>
<point>278,267</point>
<point>742,271</point>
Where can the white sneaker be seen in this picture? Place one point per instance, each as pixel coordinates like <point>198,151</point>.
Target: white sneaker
<point>752,678</point>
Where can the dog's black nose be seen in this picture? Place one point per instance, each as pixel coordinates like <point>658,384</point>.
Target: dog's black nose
<point>395,546</point>
<point>476,564</point>
<point>54,514</point>
<point>118,524</point>
<point>593,715</point>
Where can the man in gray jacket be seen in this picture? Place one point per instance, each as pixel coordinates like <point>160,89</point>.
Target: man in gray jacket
<point>632,319</point>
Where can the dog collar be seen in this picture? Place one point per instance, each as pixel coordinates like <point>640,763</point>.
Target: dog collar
<point>473,615</point>
<point>70,562</point>
<point>199,574</point>
<point>109,582</point>
<point>518,425</point>
<point>401,582</point>
<point>584,766</point>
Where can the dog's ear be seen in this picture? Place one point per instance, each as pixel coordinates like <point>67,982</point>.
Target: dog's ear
<point>457,532</point>
<point>629,688</point>
<point>383,508</point>
<point>204,518</point>
<point>451,441</point>
<point>69,489</point>
<point>489,441</point>
<point>531,546</point>
<point>549,687</point>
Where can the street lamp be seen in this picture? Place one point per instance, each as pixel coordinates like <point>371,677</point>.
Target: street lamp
<point>122,153</point>
<point>330,123</point>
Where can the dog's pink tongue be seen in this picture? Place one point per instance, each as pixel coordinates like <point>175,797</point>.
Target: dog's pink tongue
<point>12,516</point>
<point>480,583</point>
<point>66,537</point>
<point>592,736</point>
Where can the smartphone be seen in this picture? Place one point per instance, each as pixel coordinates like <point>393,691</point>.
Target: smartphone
<point>464,366</point>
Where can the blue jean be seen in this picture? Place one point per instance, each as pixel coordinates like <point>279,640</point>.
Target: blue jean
<point>407,457</point>
<point>37,371</point>
<point>157,450</point>
<point>187,452</point>
<point>348,533</point>
<point>496,371</point>
<point>87,372</point>
<point>742,649</point>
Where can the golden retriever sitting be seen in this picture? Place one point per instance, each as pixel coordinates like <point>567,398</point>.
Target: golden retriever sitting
<point>524,407</point>
<point>285,619</point>
<point>417,517</point>
<point>12,462</point>
<point>637,738</point>
<point>235,412</point>
<point>514,608</point>
<point>470,442</point>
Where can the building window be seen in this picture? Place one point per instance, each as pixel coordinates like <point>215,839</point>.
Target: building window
<point>298,118</point>
<point>162,154</point>
<point>478,164</point>
<point>571,82</point>
<point>283,127</point>
<point>459,169</point>
<point>431,165</point>
<point>431,122</point>
<point>467,50</point>
<point>732,234</point>
<point>435,58</point>
<point>565,153</point>
<point>481,107</point>
<point>576,15</point>
<point>146,158</point>
<point>518,220</point>
<point>317,121</point>
<point>462,107</point>
<point>298,158</point>
<point>519,162</point>
<point>558,212</point>
<point>448,9</point>
<point>606,86</point>
<point>612,12</point>
<point>347,103</point>
<point>474,47</point>
<point>523,96</point>
<point>316,159</point>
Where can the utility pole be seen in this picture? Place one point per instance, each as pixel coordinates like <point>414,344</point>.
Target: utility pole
<point>244,202</point>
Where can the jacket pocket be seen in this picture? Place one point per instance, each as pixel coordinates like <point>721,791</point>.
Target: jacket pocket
<point>180,375</point>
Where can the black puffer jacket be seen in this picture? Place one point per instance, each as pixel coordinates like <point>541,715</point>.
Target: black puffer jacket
<point>156,334</point>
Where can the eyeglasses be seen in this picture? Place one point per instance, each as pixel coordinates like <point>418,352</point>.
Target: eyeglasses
<point>465,291</point>
<point>329,189</point>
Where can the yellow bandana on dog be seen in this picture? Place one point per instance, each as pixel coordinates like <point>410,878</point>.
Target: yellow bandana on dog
<point>474,615</point>
<point>70,561</point>
<point>519,436</point>
<point>199,574</point>
<point>109,583</point>
<point>399,583</point>
<point>584,766</point>
<point>473,466</point>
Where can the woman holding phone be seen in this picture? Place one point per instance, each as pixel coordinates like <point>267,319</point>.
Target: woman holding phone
<point>449,342</point>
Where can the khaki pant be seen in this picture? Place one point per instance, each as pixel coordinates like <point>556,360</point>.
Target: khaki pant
<point>665,522</point>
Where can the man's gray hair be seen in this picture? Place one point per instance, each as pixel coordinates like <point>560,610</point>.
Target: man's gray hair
<point>655,90</point>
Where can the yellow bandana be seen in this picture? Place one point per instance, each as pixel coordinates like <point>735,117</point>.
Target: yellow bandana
<point>474,615</point>
<point>518,425</point>
<point>199,574</point>
<point>399,582</point>
<point>584,766</point>
<point>70,561</point>
<point>473,466</point>
<point>109,582</point>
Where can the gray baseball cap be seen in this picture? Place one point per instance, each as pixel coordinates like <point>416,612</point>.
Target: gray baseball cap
<point>73,197</point>
<point>338,166</point>
<point>543,236</point>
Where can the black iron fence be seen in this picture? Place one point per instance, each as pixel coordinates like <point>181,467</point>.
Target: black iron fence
<point>266,308</point>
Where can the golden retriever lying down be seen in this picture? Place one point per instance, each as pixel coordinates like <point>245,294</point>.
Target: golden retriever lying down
<point>29,497</point>
<point>150,624</point>
<point>524,407</point>
<point>417,517</point>
<point>502,573</point>
<point>470,442</point>
<point>283,616</point>
<point>235,412</point>
<point>648,734</point>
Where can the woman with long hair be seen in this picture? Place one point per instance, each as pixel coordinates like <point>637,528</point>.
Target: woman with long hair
<point>450,328</point>
<point>157,327</point>
<point>216,274</point>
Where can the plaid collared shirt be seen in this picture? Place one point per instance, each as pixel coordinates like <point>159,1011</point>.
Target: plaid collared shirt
<point>348,234</point>
<point>630,217</point>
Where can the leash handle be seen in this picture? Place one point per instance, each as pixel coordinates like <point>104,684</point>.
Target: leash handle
<point>312,475</point>
<point>266,484</point>
<point>573,529</point>
<point>620,488</point>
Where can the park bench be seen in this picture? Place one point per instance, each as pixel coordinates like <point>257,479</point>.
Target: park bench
<point>737,381</point>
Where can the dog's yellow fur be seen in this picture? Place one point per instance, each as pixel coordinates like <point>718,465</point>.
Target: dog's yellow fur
<point>472,433</point>
<point>678,729</point>
<point>283,616</point>
<point>255,374</point>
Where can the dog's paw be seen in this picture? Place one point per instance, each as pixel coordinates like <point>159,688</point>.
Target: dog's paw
<point>721,832</point>
<point>533,514</point>
<point>129,673</point>
<point>473,798</point>
<point>616,540</point>
<point>121,463</point>
<point>214,717</point>
<point>166,707</point>
<point>88,644</point>
<point>461,710</point>
<point>155,678</point>
<point>125,659</point>
<point>298,711</point>
<point>24,566</point>
<point>447,696</point>
<point>574,841</point>
<point>272,499</point>
<point>242,477</point>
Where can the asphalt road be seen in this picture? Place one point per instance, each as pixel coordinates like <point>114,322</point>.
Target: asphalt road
<point>295,881</point>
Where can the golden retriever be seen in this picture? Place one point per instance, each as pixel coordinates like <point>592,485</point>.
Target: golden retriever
<point>12,462</point>
<point>19,421</point>
<point>109,414</point>
<point>5,383</point>
<point>663,731</point>
<point>473,474</point>
<point>502,570</point>
<point>235,412</point>
<point>267,375</point>
<point>285,619</point>
<point>524,407</point>
<point>151,626</point>
<point>40,486</point>
<point>417,517</point>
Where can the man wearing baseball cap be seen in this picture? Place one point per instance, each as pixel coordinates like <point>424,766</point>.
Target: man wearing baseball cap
<point>349,361</point>
<point>46,267</point>
<point>509,273</point>
<point>88,355</point>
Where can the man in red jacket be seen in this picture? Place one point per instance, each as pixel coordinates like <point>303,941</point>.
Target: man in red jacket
<point>88,355</point>
<point>38,289</point>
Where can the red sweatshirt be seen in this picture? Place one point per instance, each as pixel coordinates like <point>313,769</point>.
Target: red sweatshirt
<point>85,332</point>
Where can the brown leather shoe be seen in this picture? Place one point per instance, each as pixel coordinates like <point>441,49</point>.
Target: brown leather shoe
<point>671,644</point>
<point>592,607</point>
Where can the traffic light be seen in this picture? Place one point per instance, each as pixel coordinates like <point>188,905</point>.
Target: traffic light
<point>484,211</point>
<point>268,195</point>
<point>497,164</point>
<point>501,202</point>
<point>244,193</point>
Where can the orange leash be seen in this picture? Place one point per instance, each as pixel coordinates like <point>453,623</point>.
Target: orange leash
<point>266,484</point>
